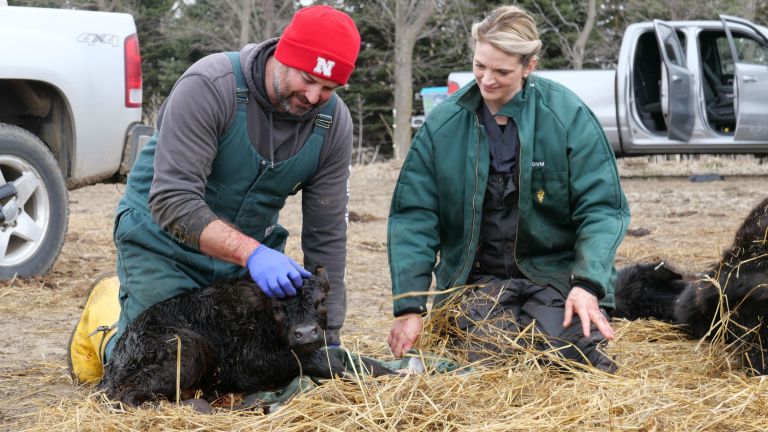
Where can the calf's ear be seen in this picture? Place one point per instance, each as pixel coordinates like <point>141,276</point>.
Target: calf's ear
<point>319,270</point>
<point>666,271</point>
<point>322,276</point>
<point>279,311</point>
<point>253,295</point>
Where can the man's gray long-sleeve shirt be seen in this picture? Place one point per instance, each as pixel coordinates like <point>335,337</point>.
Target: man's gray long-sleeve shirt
<point>200,108</point>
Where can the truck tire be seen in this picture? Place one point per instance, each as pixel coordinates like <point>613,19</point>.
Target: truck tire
<point>34,216</point>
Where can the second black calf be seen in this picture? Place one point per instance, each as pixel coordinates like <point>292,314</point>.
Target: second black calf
<point>736,306</point>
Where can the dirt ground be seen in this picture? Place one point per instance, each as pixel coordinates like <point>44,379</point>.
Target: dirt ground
<point>688,223</point>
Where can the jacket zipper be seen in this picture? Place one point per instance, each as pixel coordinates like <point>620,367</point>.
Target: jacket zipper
<point>474,209</point>
<point>519,182</point>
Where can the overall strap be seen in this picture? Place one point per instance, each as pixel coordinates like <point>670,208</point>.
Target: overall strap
<point>241,87</point>
<point>324,119</point>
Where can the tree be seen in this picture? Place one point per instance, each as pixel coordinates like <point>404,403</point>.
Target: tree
<point>441,47</point>
<point>214,25</point>
<point>410,17</point>
<point>413,36</point>
<point>572,23</point>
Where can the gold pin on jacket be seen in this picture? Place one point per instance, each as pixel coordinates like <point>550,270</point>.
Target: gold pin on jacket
<point>540,196</point>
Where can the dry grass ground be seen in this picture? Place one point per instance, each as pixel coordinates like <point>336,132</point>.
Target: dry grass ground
<point>665,382</point>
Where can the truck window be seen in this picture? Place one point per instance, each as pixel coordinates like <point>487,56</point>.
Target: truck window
<point>717,71</point>
<point>646,80</point>
<point>717,81</point>
<point>671,47</point>
<point>748,49</point>
<point>723,58</point>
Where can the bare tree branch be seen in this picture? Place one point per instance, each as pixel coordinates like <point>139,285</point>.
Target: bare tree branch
<point>579,47</point>
<point>231,24</point>
<point>573,49</point>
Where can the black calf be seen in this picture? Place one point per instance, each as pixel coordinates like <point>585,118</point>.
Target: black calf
<point>233,339</point>
<point>648,290</point>
<point>739,299</point>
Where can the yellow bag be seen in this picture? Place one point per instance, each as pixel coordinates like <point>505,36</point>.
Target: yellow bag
<point>96,326</point>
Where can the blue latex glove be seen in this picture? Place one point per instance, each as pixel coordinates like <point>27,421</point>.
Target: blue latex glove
<point>275,273</point>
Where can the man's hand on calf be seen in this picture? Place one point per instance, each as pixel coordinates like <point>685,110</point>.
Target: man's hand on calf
<point>275,273</point>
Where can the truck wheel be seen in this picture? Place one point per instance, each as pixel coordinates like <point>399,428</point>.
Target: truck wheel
<point>34,205</point>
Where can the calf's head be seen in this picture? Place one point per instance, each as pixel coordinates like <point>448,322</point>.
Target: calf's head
<point>750,244</point>
<point>302,319</point>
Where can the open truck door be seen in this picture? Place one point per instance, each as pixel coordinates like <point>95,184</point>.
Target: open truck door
<point>750,84</point>
<point>677,102</point>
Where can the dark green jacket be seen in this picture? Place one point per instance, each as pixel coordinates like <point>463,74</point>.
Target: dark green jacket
<point>572,211</point>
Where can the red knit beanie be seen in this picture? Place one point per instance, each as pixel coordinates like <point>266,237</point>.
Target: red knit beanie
<point>321,41</point>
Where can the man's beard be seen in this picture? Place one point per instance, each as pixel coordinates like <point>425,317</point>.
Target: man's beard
<point>280,86</point>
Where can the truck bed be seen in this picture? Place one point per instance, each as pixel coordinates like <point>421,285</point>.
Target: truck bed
<point>596,87</point>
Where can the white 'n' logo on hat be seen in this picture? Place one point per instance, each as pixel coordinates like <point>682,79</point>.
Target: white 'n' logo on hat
<point>324,66</point>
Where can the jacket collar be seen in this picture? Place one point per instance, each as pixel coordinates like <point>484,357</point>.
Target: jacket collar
<point>470,98</point>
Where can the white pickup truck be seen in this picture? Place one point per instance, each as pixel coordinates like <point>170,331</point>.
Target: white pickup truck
<point>680,87</point>
<point>70,113</point>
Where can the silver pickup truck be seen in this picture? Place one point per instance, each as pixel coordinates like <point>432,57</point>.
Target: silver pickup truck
<point>680,87</point>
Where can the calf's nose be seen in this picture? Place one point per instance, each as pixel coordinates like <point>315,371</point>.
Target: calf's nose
<point>305,334</point>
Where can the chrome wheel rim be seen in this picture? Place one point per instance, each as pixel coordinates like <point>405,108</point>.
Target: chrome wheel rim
<point>28,214</point>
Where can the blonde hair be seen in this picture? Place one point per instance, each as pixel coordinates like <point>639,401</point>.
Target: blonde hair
<point>509,29</point>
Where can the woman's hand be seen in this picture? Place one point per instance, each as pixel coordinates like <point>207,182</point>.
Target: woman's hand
<point>585,305</point>
<point>406,330</point>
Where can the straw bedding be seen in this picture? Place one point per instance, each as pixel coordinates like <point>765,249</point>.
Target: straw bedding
<point>665,382</point>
